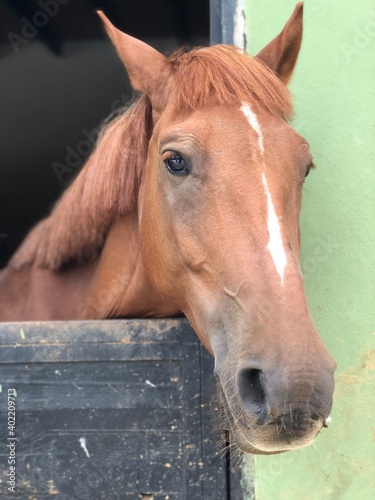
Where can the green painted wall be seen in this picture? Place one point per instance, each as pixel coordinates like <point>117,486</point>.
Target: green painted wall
<point>334,93</point>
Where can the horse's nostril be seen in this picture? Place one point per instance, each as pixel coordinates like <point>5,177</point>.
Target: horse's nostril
<point>252,394</point>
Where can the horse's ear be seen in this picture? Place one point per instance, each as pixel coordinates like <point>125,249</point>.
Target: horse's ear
<point>147,68</point>
<point>281,54</point>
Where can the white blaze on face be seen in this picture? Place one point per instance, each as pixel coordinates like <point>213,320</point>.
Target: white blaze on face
<point>254,124</point>
<point>275,244</point>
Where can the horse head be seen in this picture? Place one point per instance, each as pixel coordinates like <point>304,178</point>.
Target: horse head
<point>219,207</point>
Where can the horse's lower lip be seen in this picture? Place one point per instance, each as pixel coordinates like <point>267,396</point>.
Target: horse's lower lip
<point>238,430</point>
<point>249,448</point>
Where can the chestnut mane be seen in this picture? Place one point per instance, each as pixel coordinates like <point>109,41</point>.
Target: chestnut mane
<point>107,187</point>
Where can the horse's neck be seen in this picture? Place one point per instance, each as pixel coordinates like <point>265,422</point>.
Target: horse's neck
<point>114,285</point>
<point>121,288</point>
<point>39,294</point>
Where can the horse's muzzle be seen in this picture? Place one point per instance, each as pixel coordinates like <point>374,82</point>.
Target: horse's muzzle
<point>270,411</point>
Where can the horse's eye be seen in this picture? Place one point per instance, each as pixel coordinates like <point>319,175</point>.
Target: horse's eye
<point>311,165</point>
<point>176,165</point>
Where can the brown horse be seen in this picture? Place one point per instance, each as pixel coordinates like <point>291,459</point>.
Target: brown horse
<point>190,203</point>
